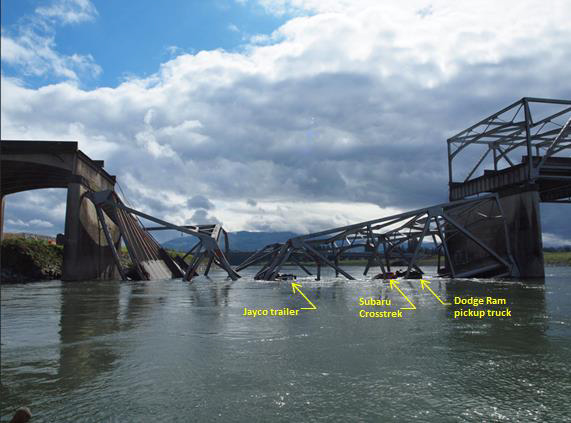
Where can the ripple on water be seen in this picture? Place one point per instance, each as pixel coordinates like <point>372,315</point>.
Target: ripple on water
<point>170,350</point>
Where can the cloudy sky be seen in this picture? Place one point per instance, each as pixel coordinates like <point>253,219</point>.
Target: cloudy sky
<point>272,115</point>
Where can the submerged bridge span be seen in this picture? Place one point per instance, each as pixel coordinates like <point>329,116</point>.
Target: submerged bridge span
<point>398,240</point>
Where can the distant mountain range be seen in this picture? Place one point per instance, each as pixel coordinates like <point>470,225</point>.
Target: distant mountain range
<point>239,241</point>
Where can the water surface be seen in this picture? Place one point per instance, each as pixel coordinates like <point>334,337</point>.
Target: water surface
<point>170,350</point>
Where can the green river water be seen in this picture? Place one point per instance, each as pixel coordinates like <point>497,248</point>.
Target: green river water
<point>177,351</point>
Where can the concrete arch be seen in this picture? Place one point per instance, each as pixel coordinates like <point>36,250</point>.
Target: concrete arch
<point>30,165</point>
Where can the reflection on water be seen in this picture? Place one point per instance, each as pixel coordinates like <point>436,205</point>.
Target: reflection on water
<point>217,294</point>
<point>142,351</point>
<point>89,318</point>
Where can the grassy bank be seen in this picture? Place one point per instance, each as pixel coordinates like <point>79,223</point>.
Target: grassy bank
<point>25,260</point>
<point>557,258</point>
<point>551,258</point>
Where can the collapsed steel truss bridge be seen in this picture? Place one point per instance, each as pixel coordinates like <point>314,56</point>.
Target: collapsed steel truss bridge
<point>149,259</point>
<point>397,240</point>
<point>491,227</point>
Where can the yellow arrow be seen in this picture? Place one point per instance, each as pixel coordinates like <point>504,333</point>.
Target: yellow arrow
<point>295,288</point>
<point>395,284</point>
<point>426,284</point>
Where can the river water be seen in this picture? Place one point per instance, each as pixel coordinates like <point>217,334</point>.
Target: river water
<point>177,351</point>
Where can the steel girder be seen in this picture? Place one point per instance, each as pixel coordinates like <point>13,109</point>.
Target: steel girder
<point>398,239</point>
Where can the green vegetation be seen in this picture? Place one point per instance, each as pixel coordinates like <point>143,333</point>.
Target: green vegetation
<point>175,253</point>
<point>25,260</point>
<point>551,258</point>
<point>557,258</point>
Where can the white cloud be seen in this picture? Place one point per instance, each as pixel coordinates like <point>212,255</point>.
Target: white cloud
<point>34,223</point>
<point>341,113</point>
<point>69,11</point>
<point>296,216</point>
<point>553,240</point>
<point>32,49</point>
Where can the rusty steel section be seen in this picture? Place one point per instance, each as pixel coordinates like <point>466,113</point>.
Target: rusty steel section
<point>150,260</point>
<point>400,241</point>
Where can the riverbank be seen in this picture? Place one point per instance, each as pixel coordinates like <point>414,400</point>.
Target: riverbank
<point>26,259</point>
<point>32,259</point>
<point>557,258</point>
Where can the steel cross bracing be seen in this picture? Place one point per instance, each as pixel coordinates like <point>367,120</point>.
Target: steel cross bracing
<point>200,252</point>
<point>149,259</point>
<point>531,131</point>
<point>398,240</point>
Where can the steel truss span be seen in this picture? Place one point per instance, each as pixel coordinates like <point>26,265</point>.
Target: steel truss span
<point>150,260</point>
<point>528,142</point>
<point>400,240</point>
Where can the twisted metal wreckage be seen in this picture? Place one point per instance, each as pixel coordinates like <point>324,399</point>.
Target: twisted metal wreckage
<point>398,241</point>
<point>149,259</point>
<point>470,236</point>
<point>386,242</point>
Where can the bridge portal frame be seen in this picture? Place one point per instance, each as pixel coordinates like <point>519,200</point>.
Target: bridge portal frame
<point>517,128</point>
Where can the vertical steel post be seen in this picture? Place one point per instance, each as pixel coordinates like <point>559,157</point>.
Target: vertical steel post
<point>445,247</point>
<point>528,123</point>
<point>419,246</point>
<point>110,243</point>
<point>449,169</point>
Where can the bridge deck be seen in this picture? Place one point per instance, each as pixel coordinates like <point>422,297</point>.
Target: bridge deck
<point>553,179</point>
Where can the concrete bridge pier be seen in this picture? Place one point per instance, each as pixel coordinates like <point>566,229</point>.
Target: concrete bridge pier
<point>1,216</point>
<point>522,216</point>
<point>512,229</point>
<point>87,255</point>
<point>524,152</point>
